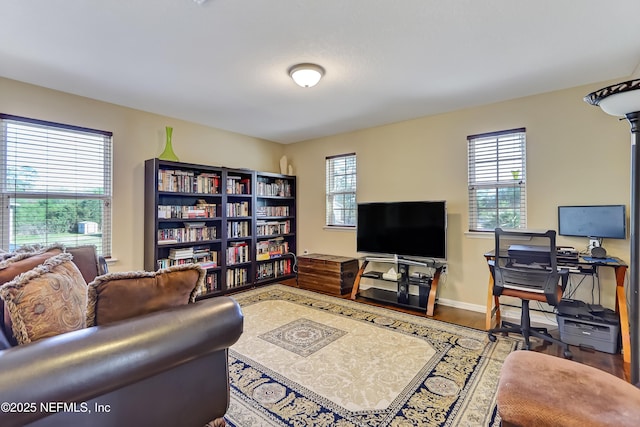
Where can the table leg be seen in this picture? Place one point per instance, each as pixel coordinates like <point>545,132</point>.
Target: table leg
<point>431,302</point>
<point>356,282</point>
<point>621,309</point>
<point>493,305</point>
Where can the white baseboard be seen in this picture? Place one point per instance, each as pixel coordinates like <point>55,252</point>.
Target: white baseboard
<point>511,313</point>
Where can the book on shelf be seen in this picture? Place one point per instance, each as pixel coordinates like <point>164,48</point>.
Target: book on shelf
<point>237,277</point>
<point>167,241</point>
<point>208,264</point>
<point>187,212</point>
<point>269,228</point>
<point>184,181</point>
<point>185,235</point>
<point>237,252</point>
<point>273,269</point>
<point>272,248</point>
<point>181,253</point>
<point>238,185</point>
<point>279,187</point>
<point>194,224</point>
<point>236,229</point>
<point>238,209</point>
<point>272,211</point>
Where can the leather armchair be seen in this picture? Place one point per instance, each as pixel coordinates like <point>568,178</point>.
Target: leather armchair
<point>167,368</point>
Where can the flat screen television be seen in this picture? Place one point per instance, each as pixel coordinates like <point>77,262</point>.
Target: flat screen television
<point>596,222</point>
<point>417,229</point>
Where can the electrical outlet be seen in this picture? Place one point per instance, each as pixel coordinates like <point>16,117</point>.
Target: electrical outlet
<point>444,269</point>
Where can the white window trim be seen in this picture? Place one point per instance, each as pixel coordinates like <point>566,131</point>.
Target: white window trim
<point>330,194</point>
<point>7,194</point>
<point>495,176</point>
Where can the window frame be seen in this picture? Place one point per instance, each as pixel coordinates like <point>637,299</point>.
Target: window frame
<point>491,160</point>
<point>8,194</point>
<point>331,192</point>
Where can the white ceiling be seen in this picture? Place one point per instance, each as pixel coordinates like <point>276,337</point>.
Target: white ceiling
<point>224,63</point>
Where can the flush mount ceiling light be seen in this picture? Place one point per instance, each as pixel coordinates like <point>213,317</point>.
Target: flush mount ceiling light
<point>306,75</point>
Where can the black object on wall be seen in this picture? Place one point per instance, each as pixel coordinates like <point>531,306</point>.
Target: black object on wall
<point>623,100</point>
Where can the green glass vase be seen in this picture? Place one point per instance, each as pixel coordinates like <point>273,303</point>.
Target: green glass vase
<point>168,153</point>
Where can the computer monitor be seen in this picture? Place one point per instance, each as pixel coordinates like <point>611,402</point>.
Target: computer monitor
<point>596,222</point>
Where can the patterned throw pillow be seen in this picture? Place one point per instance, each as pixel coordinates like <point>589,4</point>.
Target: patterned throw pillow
<point>119,296</point>
<point>48,300</point>
<point>14,263</point>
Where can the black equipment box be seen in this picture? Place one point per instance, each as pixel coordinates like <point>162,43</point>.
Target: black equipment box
<point>588,326</point>
<point>528,254</point>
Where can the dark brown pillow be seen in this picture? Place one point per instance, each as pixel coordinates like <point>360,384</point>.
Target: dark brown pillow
<point>118,296</point>
<point>48,300</point>
<point>24,259</point>
<point>85,257</point>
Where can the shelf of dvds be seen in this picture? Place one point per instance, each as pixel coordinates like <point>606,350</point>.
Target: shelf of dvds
<point>239,224</point>
<point>275,226</point>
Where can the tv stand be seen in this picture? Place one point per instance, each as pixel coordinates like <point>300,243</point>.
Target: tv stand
<point>427,285</point>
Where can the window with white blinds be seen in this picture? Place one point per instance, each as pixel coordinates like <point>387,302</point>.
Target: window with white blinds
<point>55,184</point>
<point>497,180</point>
<point>341,206</point>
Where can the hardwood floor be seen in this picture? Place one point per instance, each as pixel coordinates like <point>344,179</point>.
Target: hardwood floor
<point>611,363</point>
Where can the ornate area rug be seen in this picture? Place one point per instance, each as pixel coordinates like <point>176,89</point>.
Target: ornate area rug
<point>306,359</point>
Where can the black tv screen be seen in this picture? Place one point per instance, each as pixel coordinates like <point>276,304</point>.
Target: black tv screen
<point>600,221</point>
<point>403,228</point>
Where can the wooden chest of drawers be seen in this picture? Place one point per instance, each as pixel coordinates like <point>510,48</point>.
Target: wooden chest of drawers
<point>330,274</point>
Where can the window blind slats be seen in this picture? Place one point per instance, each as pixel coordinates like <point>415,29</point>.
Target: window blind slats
<point>497,180</point>
<point>56,184</point>
<point>341,206</point>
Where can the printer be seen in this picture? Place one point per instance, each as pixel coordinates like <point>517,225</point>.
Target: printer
<point>529,254</point>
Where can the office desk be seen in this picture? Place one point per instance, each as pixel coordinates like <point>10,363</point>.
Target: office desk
<point>620,268</point>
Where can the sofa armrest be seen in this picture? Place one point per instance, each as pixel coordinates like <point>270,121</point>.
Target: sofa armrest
<point>82,365</point>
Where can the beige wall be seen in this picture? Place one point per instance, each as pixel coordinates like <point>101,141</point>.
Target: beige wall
<point>137,136</point>
<point>576,154</point>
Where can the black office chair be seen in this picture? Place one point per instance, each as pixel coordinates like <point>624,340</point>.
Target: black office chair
<point>528,273</point>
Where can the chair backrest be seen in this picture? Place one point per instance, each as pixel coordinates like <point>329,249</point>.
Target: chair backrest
<point>528,271</point>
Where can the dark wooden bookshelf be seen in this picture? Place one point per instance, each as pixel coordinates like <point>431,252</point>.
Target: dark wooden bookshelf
<point>242,199</point>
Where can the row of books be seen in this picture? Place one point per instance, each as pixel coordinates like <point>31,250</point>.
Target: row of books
<point>279,187</point>
<point>238,229</point>
<point>272,248</point>
<point>168,262</point>
<point>270,270</point>
<point>210,285</point>
<point>201,255</point>
<point>264,228</point>
<point>182,235</point>
<point>237,277</point>
<point>205,257</point>
<point>272,211</point>
<point>201,210</point>
<point>181,253</point>
<point>238,209</point>
<point>237,253</point>
<point>182,181</point>
<point>238,185</point>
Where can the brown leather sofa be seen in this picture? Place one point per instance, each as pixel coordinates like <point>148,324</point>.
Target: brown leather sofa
<point>167,368</point>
